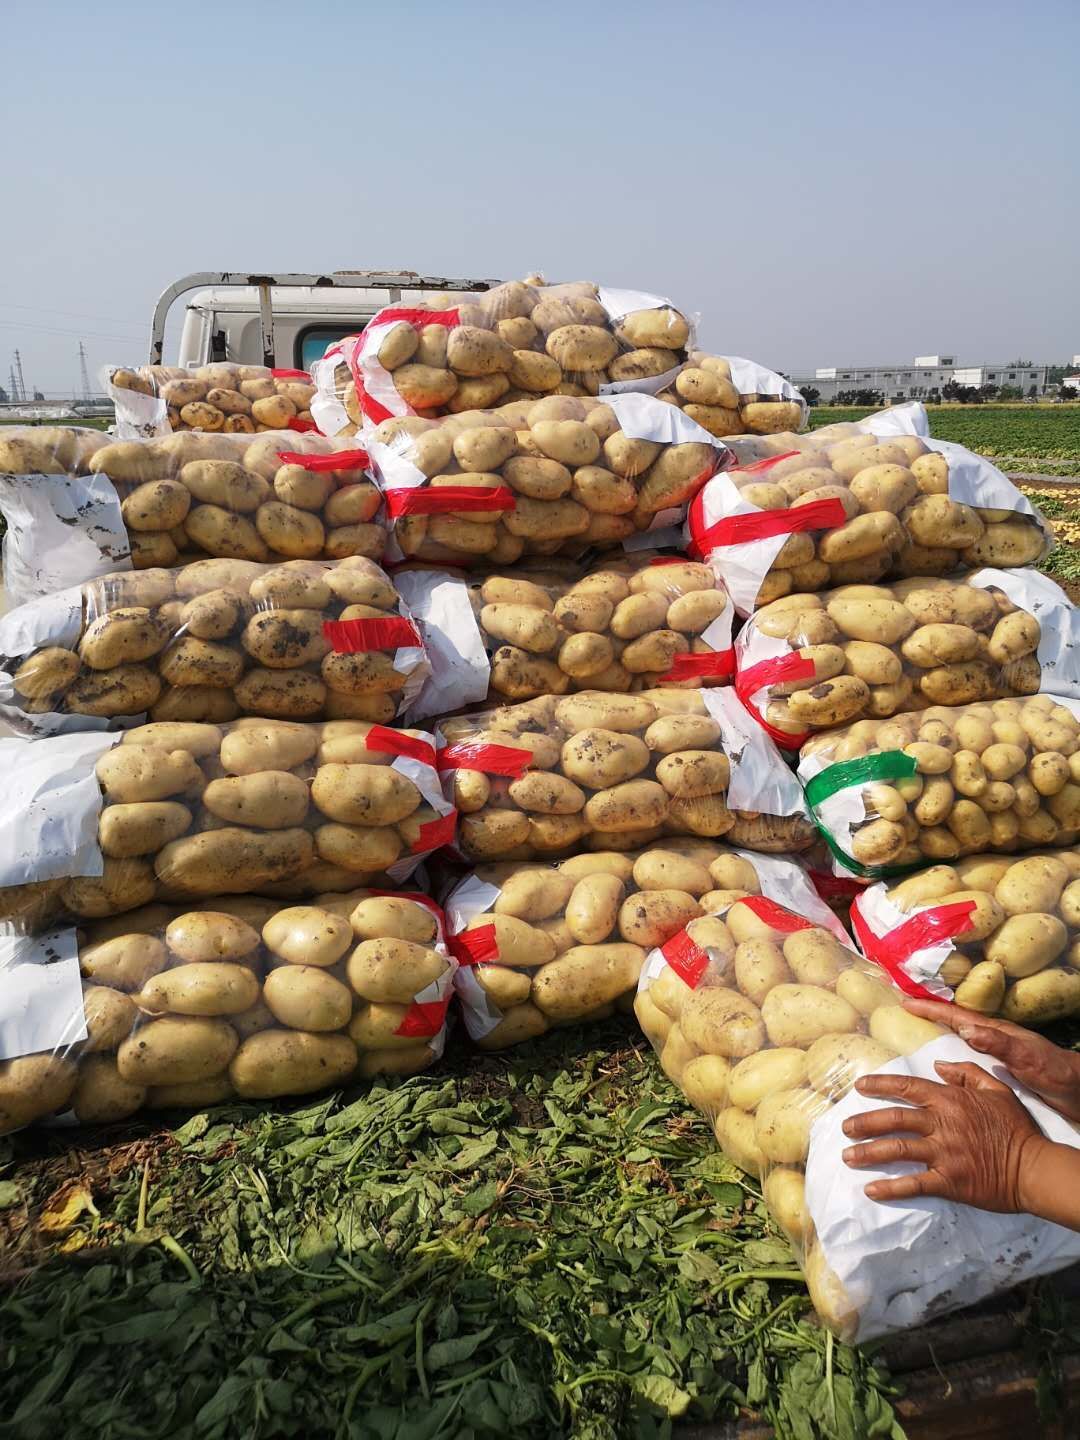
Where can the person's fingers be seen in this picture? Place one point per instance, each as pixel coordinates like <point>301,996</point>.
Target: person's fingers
<point>941,1012</point>
<point>968,1076</point>
<point>888,1121</point>
<point>888,1150</point>
<point>906,1187</point>
<point>897,1087</point>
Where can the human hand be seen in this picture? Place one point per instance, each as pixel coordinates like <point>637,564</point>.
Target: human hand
<point>1052,1073</point>
<point>971,1133</point>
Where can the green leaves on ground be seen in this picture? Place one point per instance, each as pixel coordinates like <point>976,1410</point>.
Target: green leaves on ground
<point>542,1244</point>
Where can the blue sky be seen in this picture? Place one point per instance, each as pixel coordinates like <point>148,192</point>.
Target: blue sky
<point>824,183</point>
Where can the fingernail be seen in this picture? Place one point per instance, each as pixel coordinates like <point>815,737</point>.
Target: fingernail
<point>849,1154</point>
<point>848,1128</point>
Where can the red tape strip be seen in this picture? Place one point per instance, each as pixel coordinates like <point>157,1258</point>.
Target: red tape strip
<point>339,460</point>
<point>774,915</point>
<point>415,315</point>
<point>763,524</point>
<point>688,960</point>
<point>924,930</point>
<point>348,637</point>
<point>836,887</point>
<point>302,425</point>
<point>489,759</point>
<point>290,375</point>
<point>475,947</point>
<point>758,467</point>
<point>395,742</point>
<point>780,668</point>
<point>435,833</point>
<point>718,665</point>
<point>424,500</point>
<point>424,1018</point>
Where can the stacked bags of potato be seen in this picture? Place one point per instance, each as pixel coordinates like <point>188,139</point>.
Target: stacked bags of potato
<point>78,505</point>
<point>857,509</point>
<point>615,772</point>
<point>728,395</point>
<point>558,475</point>
<point>223,396</point>
<point>813,662</point>
<point>765,1019</point>
<point>180,811</point>
<point>945,782</point>
<point>995,933</point>
<point>518,341</point>
<point>546,945</point>
<point>242,998</point>
<point>637,622</point>
<point>304,640</point>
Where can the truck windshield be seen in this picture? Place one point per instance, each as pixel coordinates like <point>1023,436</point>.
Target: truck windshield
<point>310,344</point>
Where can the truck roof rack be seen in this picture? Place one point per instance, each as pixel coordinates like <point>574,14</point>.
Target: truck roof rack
<point>395,281</point>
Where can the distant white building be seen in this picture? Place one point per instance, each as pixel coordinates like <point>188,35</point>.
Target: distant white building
<point>916,379</point>
<point>1071,382</point>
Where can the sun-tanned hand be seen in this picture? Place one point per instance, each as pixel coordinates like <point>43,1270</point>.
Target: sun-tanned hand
<point>1052,1073</point>
<point>971,1134</point>
<point>978,1144</point>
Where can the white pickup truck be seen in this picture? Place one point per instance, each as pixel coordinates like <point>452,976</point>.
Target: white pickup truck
<point>283,320</point>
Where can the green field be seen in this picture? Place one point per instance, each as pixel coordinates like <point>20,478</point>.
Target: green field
<point>1045,438</point>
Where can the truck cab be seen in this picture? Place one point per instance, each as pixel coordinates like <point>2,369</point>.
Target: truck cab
<point>285,320</point>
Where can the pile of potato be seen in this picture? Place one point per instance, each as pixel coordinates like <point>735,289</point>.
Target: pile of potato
<point>879,650</point>
<point>570,938</point>
<point>705,388</point>
<point>998,776</point>
<point>897,517</point>
<point>571,477</point>
<point>617,628</point>
<point>517,341</point>
<point>1019,954</point>
<point>778,1026</point>
<point>257,806</point>
<point>214,640</point>
<point>241,998</point>
<point>234,399</point>
<point>606,771</point>
<point>231,496</point>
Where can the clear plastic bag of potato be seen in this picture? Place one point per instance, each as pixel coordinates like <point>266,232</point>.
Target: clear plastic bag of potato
<point>558,475</point>
<point>518,341</point>
<point>765,1019</point>
<point>179,810</point>
<point>816,662</point>
<point>729,395</point>
<point>639,621</point>
<point>222,396</point>
<point>79,505</point>
<point>908,419</point>
<point>945,782</point>
<point>863,508</point>
<point>545,945</point>
<point>303,640</point>
<point>235,999</point>
<point>996,933</point>
<point>614,772</point>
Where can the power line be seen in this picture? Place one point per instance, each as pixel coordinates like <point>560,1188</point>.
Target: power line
<point>30,327</point>
<point>80,314</point>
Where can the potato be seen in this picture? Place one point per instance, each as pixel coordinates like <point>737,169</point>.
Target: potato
<point>123,962</point>
<point>176,1050</point>
<point>766,1073</point>
<point>835,1062</point>
<point>306,997</point>
<point>736,1134</point>
<point>110,1016</point>
<point>585,977</point>
<point>201,988</point>
<point>232,860</point>
<point>797,1015</point>
<point>268,800</point>
<point>144,772</point>
<point>1042,998</point>
<point>722,1022</point>
<point>392,971</point>
<point>782,1124</point>
<point>705,1082</point>
<point>308,935</point>
<point>101,1094</point>
<point>892,1026</point>
<point>291,1062</point>
<point>141,827</point>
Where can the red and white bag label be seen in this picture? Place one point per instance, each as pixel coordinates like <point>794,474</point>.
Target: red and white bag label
<point>352,637</point>
<point>911,948</point>
<point>761,661</point>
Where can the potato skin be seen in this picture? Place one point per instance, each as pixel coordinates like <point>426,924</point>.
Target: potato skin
<point>291,1062</point>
